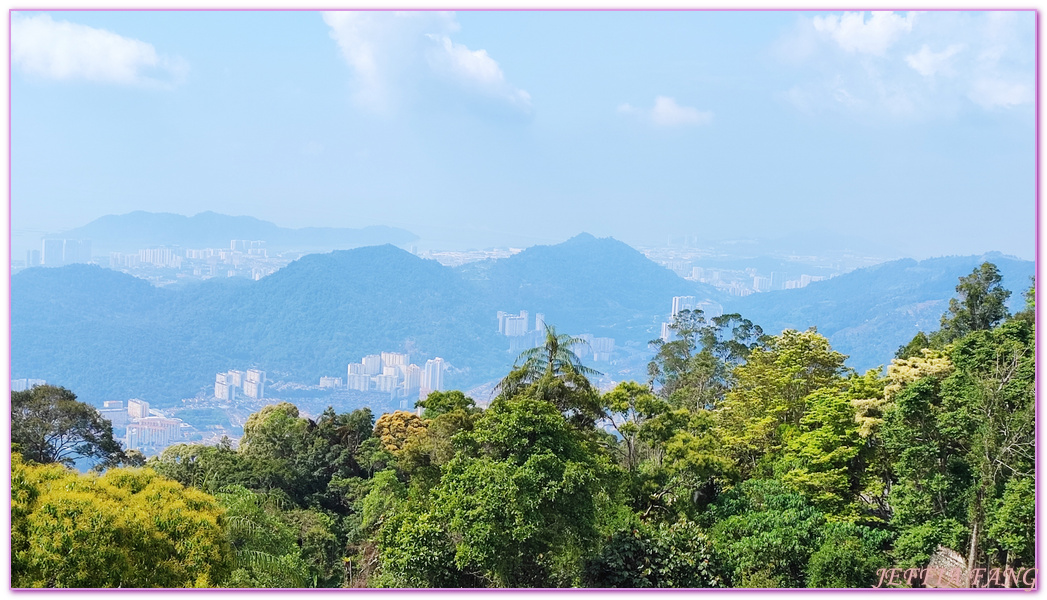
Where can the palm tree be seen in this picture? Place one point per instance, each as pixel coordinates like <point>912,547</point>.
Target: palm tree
<point>556,371</point>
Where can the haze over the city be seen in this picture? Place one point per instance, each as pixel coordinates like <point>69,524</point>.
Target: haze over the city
<point>477,129</point>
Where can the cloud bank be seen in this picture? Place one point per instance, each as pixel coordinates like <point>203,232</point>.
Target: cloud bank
<point>64,51</point>
<point>913,65</point>
<point>394,54</point>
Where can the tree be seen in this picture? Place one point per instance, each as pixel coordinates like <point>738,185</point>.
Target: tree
<point>438,403</point>
<point>676,555</point>
<point>126,528</point>
<point>770,397</point>
<point>49,425</point>
<point>848,557</point>
<point>980,305</point>
<point>554,358</point>
<point>765,534</point>
<point>695,370</point>
<point>394,429</point>
<point>518,504</point>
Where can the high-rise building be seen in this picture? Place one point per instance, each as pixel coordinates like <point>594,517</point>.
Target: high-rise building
<point>372,364</point>
<point>515,325</point>
<point>539,323</point>
<point>682,303</point>
<point>155,432</point>
<point>32,258</point>
<point>330,382</point>
<point>761,284</point>
<point>412,376</point>
<point>433,377</point>
<point>386,383</point>
<point>602,348</point>
<point>501,321</point>
<point>52,253</point>
<point>116,415</point>
<point>394,359</point>
<point>358,381</point>
<point>254,384</point>
<point>223,388</point>
<point>137,409</point>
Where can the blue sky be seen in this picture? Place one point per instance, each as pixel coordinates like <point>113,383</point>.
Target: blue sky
<point>912,130</point>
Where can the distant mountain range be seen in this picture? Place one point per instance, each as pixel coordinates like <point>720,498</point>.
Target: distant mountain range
<point>869,312</point>
<point>140,229</point>
<point>107,335</point>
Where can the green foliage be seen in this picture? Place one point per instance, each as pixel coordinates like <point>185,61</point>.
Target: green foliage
<point>765,534</point>
<point>1011,521</point>
<point>554,358</point>
<point>914,347</point>
<point>848,557</point>
<point>770,397</point>
<point>980,305</point>
<point>676,555</point>
<point>820,458</point>
<point>49,425</point>
<point>439,403</point>
<point>126,528</point>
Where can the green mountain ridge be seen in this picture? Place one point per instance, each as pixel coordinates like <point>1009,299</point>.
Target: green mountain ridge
<point>108,335</point>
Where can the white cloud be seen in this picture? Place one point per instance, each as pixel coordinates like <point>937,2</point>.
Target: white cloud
<point>667,113</point>
<point>61,50</point>
<point>927,62</point>
<point>474,68</point>
<point>856,34</point>
<point>392,52</point>
<point>917,66</point>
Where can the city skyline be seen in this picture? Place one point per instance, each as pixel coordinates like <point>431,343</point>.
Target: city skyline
<point>519,128</point>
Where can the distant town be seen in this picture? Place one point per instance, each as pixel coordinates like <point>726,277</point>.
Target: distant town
<point>251,259</point>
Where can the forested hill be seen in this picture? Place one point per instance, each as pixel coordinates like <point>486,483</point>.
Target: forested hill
<point>140,229</point>
<point>586,283</point>
<point>869,312</point>
<point>110,335</point>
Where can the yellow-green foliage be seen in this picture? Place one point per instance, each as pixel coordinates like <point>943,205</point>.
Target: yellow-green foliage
<point>900,373</point>
<point>126,528</point>
<point>395,428</point>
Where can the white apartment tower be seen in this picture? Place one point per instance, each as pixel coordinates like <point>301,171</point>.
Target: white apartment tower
<point>137,409</point>
<point>433,377</point>
<point>254,384</point>
<point>682,303</point>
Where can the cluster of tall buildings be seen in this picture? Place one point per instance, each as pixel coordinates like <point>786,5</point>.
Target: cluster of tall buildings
<point>392,373</point>
<point>229,385</point>
<point>709,310</point>
<point>517,328</point>
<point>601,347</point>
<point>248,258</point>
<point>56,253</point>
<point>522,337</point>
<point>140,429</point>
<point>743,283</point>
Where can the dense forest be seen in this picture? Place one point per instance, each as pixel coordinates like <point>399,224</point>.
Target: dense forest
<point>746,460</point>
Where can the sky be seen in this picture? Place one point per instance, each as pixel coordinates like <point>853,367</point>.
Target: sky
<point>914,131</point>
